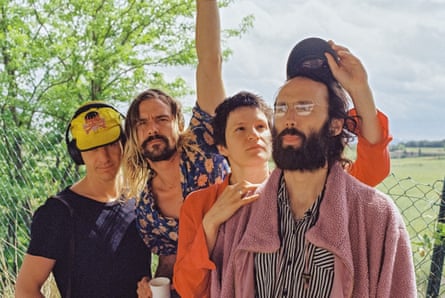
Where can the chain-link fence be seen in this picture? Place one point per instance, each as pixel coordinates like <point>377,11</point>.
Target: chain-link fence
<point>34,166</point>
<point>420,204</point>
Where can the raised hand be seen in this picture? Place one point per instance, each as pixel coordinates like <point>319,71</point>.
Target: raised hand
<point>351,74</point>
<point>348,69</point>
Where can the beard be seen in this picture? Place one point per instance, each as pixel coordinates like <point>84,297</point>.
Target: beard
<point>159,152</point>
<point>311,155</point>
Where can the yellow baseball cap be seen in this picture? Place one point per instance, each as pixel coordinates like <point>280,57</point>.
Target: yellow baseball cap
<point>96,125</point>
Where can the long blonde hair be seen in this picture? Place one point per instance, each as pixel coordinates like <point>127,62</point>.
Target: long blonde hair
<point>136,169</point>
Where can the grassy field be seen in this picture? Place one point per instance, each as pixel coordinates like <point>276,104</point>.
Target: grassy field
<point>422,169</point>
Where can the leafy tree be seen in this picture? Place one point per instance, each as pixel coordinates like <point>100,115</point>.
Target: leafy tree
<point>57,54</point>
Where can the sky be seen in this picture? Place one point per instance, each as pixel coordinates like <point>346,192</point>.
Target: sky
<point>400,42</point>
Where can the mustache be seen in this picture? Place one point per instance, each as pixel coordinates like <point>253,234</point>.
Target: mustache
<point>292,131</point>
<point>154,137</point>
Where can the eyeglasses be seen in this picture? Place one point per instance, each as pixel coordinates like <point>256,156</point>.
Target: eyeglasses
<point>302,108</point>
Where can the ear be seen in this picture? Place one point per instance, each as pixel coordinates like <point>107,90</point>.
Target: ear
<point>222,150</point>
<point>336,126</point>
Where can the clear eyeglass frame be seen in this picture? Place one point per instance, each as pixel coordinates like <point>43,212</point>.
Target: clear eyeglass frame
<point>302,108</point>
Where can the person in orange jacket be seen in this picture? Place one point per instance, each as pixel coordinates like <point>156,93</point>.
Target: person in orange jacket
<point>242,134</point>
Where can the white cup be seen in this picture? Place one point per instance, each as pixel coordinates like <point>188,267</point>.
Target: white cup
<point>160,287</point>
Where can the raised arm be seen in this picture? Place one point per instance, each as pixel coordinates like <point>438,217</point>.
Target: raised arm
<point>209,84</point>
<point>353,77</point>
<point>372,165</point>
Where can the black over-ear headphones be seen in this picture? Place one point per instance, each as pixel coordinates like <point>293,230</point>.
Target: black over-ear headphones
<point>71,145</point>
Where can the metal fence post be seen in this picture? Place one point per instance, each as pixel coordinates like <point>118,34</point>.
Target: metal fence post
<point>437,259</point>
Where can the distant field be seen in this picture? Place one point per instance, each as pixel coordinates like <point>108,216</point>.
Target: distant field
<point>421,169</point>
<point>435,150</point>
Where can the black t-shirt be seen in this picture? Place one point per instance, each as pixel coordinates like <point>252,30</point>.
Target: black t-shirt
<point>109,259</point>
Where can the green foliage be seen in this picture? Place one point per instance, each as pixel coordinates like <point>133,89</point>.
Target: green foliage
<point>33,166</point>
<point>58,54</point>
<point>437,239</point>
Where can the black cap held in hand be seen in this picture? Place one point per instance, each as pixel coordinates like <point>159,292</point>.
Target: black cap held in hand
<point>307,59</point>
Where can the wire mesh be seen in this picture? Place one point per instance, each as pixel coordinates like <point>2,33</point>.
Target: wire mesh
<point>34,166</point>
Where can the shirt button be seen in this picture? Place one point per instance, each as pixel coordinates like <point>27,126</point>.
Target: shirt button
<point>284,292</point>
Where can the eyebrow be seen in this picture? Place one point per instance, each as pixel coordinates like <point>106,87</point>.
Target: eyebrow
<point>155,117</point>
<point>296,101</point>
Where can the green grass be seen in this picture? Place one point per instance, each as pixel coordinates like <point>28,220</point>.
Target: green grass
<point>421,169</point>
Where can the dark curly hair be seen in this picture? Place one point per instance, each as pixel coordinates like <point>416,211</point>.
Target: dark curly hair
<point>241,99</point>
<point>338,109</point>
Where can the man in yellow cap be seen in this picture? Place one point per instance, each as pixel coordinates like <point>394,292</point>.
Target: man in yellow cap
<point>86,234</point>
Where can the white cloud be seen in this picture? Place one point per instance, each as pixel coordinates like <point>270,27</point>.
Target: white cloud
<point>401,43</point>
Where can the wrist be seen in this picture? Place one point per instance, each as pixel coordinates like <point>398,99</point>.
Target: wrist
<point>361,92</point>
<point>209,224</point>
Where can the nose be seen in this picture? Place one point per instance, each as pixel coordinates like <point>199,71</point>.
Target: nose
<point>291,119</point>
<point>151,128</point>
<point>290,124</point>
<point>104,153</point>
<point>253,135</point>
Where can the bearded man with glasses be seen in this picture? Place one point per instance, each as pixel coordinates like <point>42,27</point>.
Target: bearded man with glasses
<point>314,230</point>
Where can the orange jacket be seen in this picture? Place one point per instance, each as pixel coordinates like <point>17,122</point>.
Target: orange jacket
<point>191,275</point>
<point>372,164</point>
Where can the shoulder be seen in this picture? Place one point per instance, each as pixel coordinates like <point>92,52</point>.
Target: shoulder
<point>200,115</point>
<point>127,205</point>
<point>200,130</point>
<point>201,196</point>
<point>199,119</point>
<point>55,206</point>
<point>217,159</point>
<point>374,203</point>
<point>197,158</point>
<point>64,205</point>
<point>50,228</point>
<point>201,200</point>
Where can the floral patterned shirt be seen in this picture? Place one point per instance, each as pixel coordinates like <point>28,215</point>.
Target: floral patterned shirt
<point>201,166</point>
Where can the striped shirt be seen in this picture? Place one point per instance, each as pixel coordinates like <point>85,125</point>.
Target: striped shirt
<point>298,268</point>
